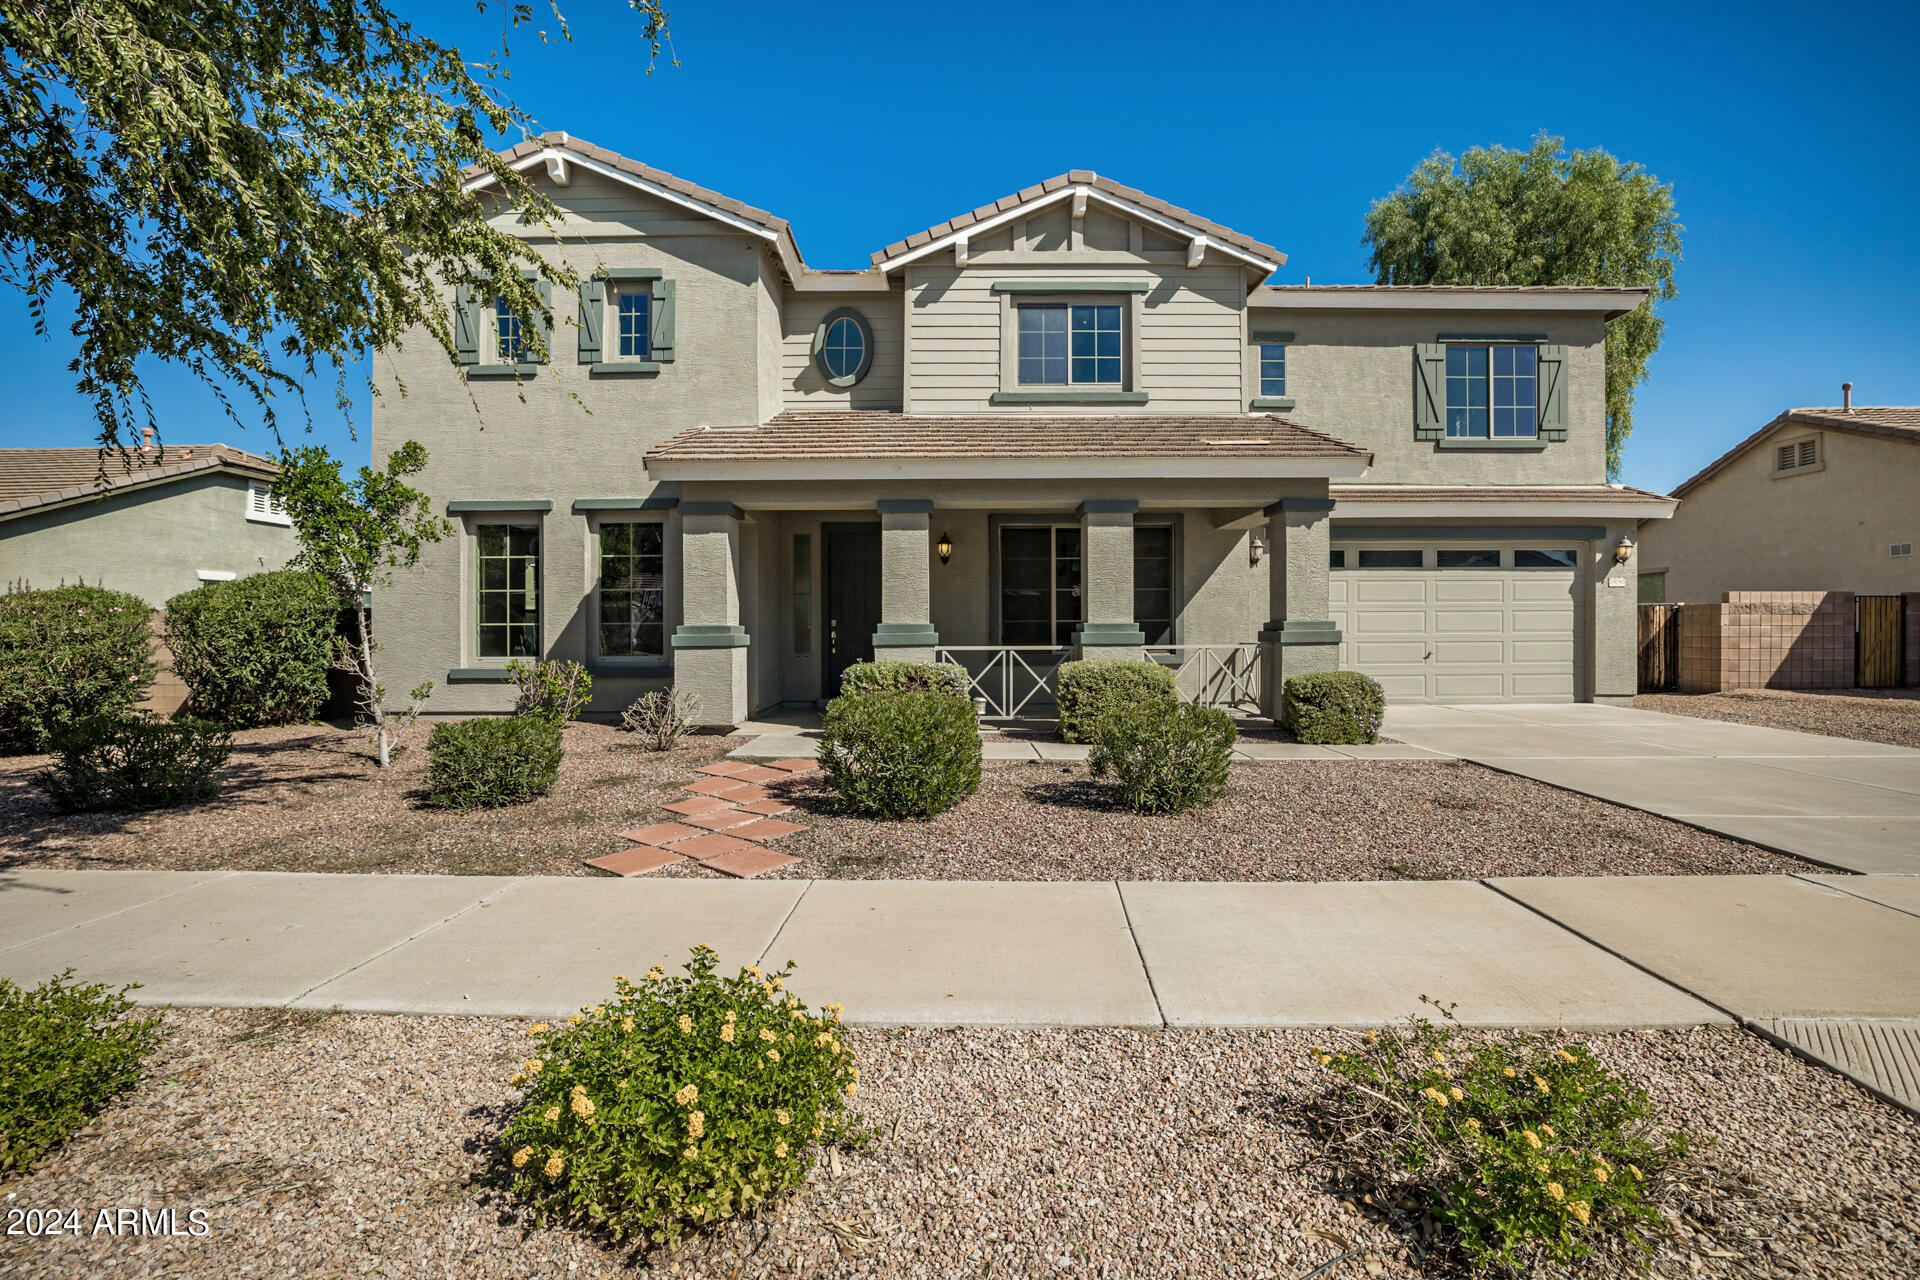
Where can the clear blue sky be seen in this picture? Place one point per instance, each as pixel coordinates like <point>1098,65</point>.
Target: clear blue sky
<point>1791,137</point>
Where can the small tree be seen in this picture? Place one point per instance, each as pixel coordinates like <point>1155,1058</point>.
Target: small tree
<point>355,534</point>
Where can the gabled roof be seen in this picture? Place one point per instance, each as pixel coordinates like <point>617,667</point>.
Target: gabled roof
<point>1107,191</point>
<point>1889,422</point>
<point>34,478</point>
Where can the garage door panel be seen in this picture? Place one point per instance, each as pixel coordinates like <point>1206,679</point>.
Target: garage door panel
<point>1377,589</point>
<point>1544,687</point>
<point>1468,586</point>
<point>1553,651</point>
<point>1391,622</point>
<point>1403,688</point>
<point>1541,586</point>
<point>1458,685</point>
<point>1542,620</point>
<point>1458,621</point>
<point>1478,652</point>
<point>1386,652</point>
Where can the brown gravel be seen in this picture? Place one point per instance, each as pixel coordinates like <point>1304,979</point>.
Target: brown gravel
<point>323,1146</point>
<point>1891,716</point>
<point>312,798</point>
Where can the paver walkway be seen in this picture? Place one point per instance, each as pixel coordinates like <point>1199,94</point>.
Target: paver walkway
<point>1850,805</point>
<point>723,823</point>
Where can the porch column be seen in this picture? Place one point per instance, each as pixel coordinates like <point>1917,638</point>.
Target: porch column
<point>1298,637</point>
<point>905,633</point>
<point>1106,580</point>
<point>710,645</point>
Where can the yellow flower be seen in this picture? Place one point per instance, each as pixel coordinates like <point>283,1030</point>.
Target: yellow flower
<point>818,1126</point>
<point>780,1150</point>
<point>521,1156</point>
<point>774,1054</point>
<point>619,977</point>
<point>777,983</point>
<point>1599,1174</point>
<point>1323,1059</point>
<point>1457,1095</point>
<point>1541,1165</point>
<point>767,1035</point>
<point>1548,1130</point>
<point>626,1024</point>
<point>834,1009</point>
<point>687,1095</point>
<point>698,1211</point>
<point>754,969</point>
<point>536,1028</point>
<point>1507,1072</point>
<point>573,1019</point>
<point>582,1105</point>
<point>555,1164</point>
<point>820,1041</point>
<point>686,1024</point>
<point>1439,1056</point>
<point>533,1066</point>
<point>1436,1095</point>
<point>732,1016</point>
<point>1557,1191</point>
<point>1470,1123</point>
<point>517,1079</point>
<point>690,1153</point>
<point>851,1087</point>
<point>782,1116</point>
<point>596,1010</point>
<point>696,1124</point>
<point>835,1046</point>
<point>1564,1056</point>
<point>1372,1036</point>
<point>796,1015</point>
<point>1533,1139</point>
<point>1637,1175</point>
<point>726,1033</point>
<point>1579,1210</point>
<point>656,972</point>
<point>1540,1084</point>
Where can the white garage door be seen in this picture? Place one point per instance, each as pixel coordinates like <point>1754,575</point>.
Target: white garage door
<point>1458,623</point>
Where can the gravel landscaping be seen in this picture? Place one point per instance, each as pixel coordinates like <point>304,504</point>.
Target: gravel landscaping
<point>1868,715</point>
<point>324,1146</point>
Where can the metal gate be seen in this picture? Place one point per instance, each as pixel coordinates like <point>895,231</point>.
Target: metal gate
<point>1880,642</point>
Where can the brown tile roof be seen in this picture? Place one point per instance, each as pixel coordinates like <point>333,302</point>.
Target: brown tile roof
<point>1081,178</point>
<point>42,477</point>
<point>1596,493</point>
<point>882,434</point>
<point>1453,288</point>
<point>1889,422</point>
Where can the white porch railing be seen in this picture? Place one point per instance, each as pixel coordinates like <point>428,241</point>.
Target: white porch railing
<point>1214,675</point>
<point>1013,681</point>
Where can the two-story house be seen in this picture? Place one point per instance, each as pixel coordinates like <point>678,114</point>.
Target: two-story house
<point>1073,421</point>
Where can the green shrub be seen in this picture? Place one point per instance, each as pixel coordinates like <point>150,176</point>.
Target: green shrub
<point>484,763</point>
<point>680,1102</point>
<point>64,1050</point>
<point>555,690</point>
<point>1529,1149</point>
<point>1087,690</point>
<point>1334,706</point>
<point>900,755</point>
<point>255,651</point>
<point>66,654</point>
<point>132,762</point>
<point>906,677</point>
<point>1165,759</point>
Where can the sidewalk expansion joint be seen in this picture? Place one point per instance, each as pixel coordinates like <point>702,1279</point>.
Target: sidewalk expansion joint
<point>1842,888</point>
<point>132,906</point>
<point>1146,971</point>
<point>362,963</point>
<point>781,928</point>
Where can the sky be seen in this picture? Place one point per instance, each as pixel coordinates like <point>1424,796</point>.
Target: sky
<point>1790,135</point>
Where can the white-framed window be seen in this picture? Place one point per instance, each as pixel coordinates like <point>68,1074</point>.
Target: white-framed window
<point>509,343</point>
<point>632,589</point>
<point>632,307</point>
<point>1075,344</point>
<point>264,506</point>
<point>1273,370</point>
<point>1493,392</point>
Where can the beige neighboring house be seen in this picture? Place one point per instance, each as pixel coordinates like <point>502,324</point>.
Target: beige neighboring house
<point>1821,499</point>
<point>153,521</point>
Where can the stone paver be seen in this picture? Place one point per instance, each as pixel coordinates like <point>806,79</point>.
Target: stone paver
<point>794,766</point>
<point>765,829</point>
<point>637,861</point>
<point>661,833</point>
<point>711,845</point>
<point>696,805</point>
<point>1362,954</point>
<point>35,904</point>
<point>747,863</point>
<point>1757,946</point>
<point>724,768</point>
<point>767,808</point>
<point>719,820</point>
<point>715,787</point>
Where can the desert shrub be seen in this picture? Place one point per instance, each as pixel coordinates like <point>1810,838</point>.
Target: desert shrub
<point>66,654</point>
<point>255,651</point>
<point>680,1102</point>
<point>905,677</point>
<point>1087,690</point>
<point>132,762</point>
<point>661,717</point>
<point>1164,759</point>
<point>1526,1147</point>
<point>555,690</point>
<point>1334,706</point>
<point>485,763</point>
<point>900,755</point>
<point>65,1049</point>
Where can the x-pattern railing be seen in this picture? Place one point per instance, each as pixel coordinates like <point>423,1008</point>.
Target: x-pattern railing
<point>1215,675</point>
<point>997,679</point>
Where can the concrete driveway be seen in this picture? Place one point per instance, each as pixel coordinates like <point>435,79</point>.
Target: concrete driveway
<point>1854,806</point>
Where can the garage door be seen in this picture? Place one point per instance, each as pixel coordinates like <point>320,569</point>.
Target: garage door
<point>1458,623</point>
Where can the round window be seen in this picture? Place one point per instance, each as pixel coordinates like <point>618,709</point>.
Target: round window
<point>843,347</point>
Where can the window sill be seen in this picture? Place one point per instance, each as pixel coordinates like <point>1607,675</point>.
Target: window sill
<point>502,370</point>
<point>285,522</point>
<point>496,675</point>
<point>1483,442</point>
<point>644,669</point>
<point>1273,402</point>
<point>622,368</point>
<point>1069,397</point>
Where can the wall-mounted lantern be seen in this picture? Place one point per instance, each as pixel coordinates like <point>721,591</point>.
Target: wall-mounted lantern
<point>1256,550</point>
<point>1623,552</point>
<point>944,547</point>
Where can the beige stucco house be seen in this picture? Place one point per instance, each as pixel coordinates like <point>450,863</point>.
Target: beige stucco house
<point>1077,420</point>
<point>153,521</point>
<point>1821,499</point>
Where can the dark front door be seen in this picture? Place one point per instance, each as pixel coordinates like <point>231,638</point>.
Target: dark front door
<point>853,597</point>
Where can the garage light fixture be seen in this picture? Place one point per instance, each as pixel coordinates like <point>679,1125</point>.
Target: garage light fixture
<point>1623,552</point>
<point>1256,550</point>
<point>944,547</point>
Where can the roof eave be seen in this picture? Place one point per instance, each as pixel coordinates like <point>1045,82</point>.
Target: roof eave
<point>1080,468</point>
<point>1610,304</point>
<point>35,503</point>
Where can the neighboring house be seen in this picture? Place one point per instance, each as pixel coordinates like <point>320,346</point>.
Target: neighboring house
<point>1073,420</point>
<point>1816,500</point>
<point>152,521</point>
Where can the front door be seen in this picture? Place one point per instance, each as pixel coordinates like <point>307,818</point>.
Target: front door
<point>853,597</point>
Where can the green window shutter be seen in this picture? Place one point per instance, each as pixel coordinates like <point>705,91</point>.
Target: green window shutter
<point>1553,393</point>
<point>1430,391</point>
<point>545,290</point>
<point>593,315</point>
<point>466,323</point>
<point>661,338</point>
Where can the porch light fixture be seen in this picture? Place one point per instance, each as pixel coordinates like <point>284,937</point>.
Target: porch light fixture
<point>944,547</point>
<point>1623,552</point>
<point>1256,550</point>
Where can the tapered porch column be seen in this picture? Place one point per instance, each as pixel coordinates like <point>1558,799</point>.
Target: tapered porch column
<point>1106,580</point>
<point>905,633</point>
<point>710,645</point>
<point>1299,637</point>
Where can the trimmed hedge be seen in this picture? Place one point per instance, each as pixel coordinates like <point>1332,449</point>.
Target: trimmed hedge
<point>1334,706</point>
<point>485,763</point>
<point>66,654</point>
<point>1088,689</point>
<point>1165,759</point>
<point>255,651</point>
<point>134,762</point>
<point>900,755</point>
<point>905,677</point>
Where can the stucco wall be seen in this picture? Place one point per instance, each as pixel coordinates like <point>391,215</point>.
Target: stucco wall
<point>151,542</point>
<point>1743,529</point>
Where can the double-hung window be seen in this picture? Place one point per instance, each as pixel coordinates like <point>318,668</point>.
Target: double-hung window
<point>632,590</point>
<point>1071,345</point>
<point>631,304</point>
<point>508,559</point>
<point>509,343</point>
<point>1273,370</point>
<point>1493,392</point>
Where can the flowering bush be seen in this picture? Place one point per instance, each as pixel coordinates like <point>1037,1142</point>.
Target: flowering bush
<point>66,654</point>
<point>1526,1147</point>
<point>680,1102</point>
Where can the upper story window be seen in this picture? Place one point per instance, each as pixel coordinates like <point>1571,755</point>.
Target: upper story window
<point>1273,370</point>
<point>632,304</point>
<point>1797,455</point>
<point>1492,392</point>
<point>264,506</point>
<point>843,347</point>
<point>1070,345</point>
<point>509,343</point>
<point>508,560</point>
